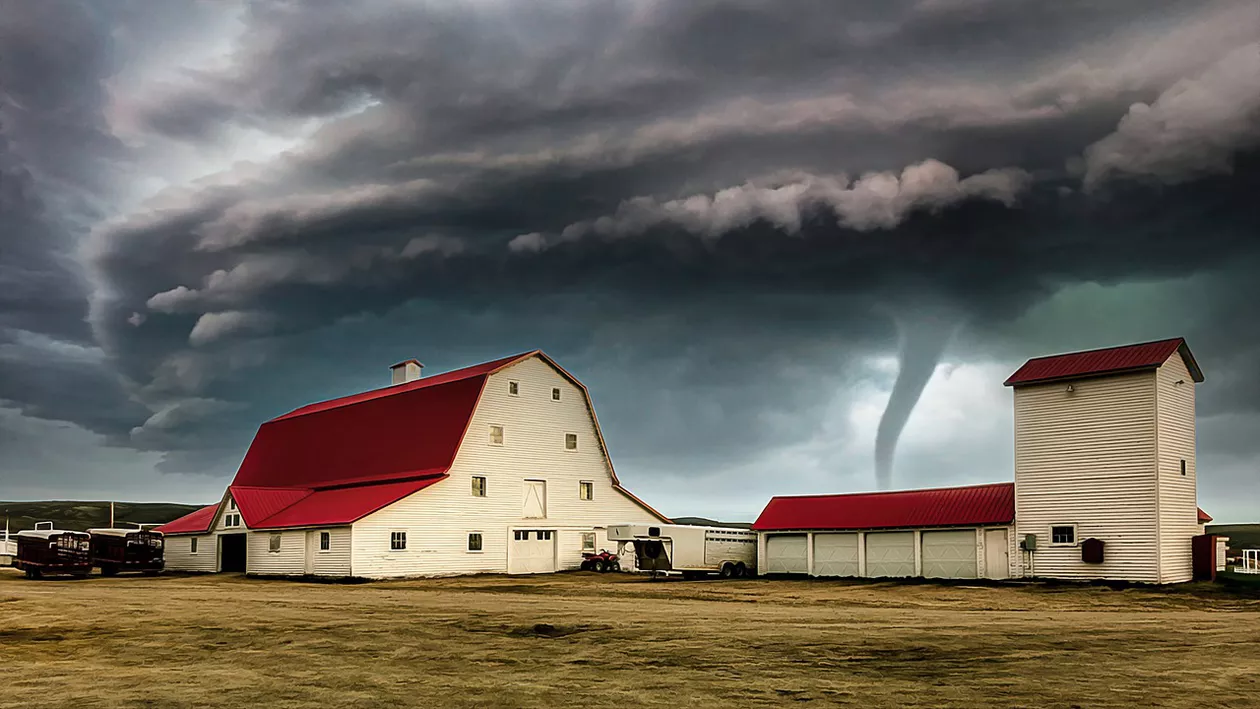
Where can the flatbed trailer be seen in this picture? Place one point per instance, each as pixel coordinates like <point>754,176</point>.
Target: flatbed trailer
<point>692,550</point>
<point>114,550</point>
<point>45,551</point>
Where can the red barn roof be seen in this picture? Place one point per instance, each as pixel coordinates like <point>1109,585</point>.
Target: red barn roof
<point>939,507</point>
<point>1204,517</point>
<point>1110,360</point>
<point>192,522</point>
<point>336,461</point>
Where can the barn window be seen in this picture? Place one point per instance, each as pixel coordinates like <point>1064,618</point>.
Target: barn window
<point>192,546</point>
<point>520,535</point>
<point>275,543</point>
<point>479,486</point>
<point>586,490</point>
<point>496,435</point>
<point>1183,466</point>
<point>544,535</point>
<point>514,388</point>
<point>232,520</point>
<point>555,393</point>
<point>588,541</point>
<point>231,504</point>
<point>1063,534</point>
<point>397,541</point>
<point>570,441</point>
<point>474,541</point>
<point>325,541</point>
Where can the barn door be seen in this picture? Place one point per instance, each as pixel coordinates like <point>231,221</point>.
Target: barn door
<point>312,545</point>
<point>535,504</point>
<point>997,555</point>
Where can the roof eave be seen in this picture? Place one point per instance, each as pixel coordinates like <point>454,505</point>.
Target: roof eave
<point>1195,372</point>
<point>885,527</point>
<point>1012,382</point>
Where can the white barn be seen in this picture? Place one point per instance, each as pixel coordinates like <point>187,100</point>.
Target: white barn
<point>499,467</point>
<point>1105,487</point>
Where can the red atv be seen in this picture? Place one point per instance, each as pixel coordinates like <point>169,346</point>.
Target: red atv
<point>601,562</point>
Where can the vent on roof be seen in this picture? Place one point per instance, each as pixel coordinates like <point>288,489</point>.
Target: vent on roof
<point>404,372</point>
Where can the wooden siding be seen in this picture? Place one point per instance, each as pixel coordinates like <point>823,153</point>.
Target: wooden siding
<point>1178,498</point>
<point>290,560</point>
<point>179,557</point>
<point>1087,457</point>
<point>438,519</point>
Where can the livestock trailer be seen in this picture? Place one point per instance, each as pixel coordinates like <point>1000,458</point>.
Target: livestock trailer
<point>691,550</point>
<point>46,551</point>
<point>115,550</point>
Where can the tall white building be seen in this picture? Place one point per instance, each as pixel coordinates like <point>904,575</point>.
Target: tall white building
<point>498,467</point>
<point>1105,451</point>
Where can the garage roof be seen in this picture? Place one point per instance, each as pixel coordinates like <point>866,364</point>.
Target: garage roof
<point>1109,360</point>
<point>938,507</point>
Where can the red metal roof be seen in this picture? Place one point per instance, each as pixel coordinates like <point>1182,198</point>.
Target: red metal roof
<point>939,507</point>
<point>473,372</point>
<point>1110,360</point>
<point>198,521</point>
<point>1203,516</point>
<point>258,503</point>
<point>417,428</point>
<point>343,505</point>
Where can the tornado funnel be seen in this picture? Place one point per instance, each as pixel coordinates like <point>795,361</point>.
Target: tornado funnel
<point>924,336</point>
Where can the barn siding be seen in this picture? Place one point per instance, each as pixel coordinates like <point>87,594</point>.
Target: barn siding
<point>1088,458</point>
<point>439,518</point>
<point>291,559</point>
<point>179,557</point>
<point>1178,499</point>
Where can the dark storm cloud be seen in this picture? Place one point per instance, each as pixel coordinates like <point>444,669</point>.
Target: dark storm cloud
<point>733,201</point>
<point>53,143</point>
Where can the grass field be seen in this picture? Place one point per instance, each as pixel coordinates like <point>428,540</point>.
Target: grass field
<point>584,640</point>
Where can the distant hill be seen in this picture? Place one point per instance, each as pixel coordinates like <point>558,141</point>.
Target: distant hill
<point>705,522</point>
<point>80,515</point>
<point>1241,536</point>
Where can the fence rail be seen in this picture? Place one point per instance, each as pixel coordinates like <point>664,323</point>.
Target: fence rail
<point>1250,562</point>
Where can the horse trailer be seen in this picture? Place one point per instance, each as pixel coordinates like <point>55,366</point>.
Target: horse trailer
<point>45,551</point>
<point>115,550</point>
<point>691,550</point>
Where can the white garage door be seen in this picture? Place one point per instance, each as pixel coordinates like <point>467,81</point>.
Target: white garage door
<point>835,555</point>
<point>786,554</point>
<point>890,554</point>
<point>533,551</point>
<point>949,554</point>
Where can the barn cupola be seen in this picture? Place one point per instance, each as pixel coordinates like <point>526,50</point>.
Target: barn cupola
<point>405,371</point>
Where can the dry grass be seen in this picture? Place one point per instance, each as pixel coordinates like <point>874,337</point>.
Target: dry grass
<point>601,641</point>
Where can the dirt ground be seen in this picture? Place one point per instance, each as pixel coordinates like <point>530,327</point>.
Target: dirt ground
<point>586,640</point>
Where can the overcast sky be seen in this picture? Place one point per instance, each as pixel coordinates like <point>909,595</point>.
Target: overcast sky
<point>725,217</point>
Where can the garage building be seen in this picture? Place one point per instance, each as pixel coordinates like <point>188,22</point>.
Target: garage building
<point>960,532</point>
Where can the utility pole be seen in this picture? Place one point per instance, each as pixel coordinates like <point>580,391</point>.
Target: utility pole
<point>111,514</point>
